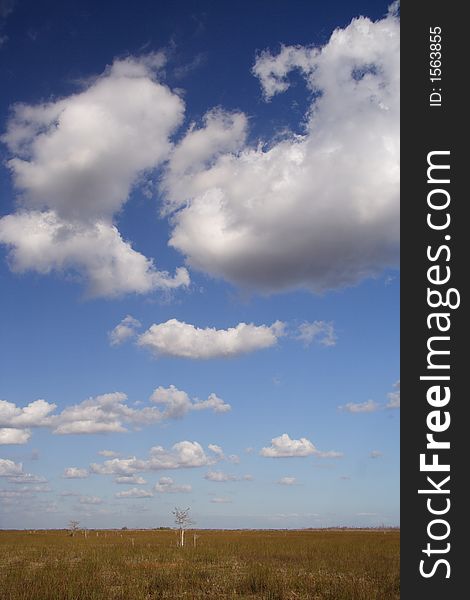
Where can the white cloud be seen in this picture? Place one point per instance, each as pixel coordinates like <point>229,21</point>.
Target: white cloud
<point>220,455</point>
<point>124,330</point>
<point>213,403</point>
<point>35,414</point>
<point>8,494</point>
<point>90,500</point>
<point>394,397</point>
<point>75,473</point>
<point>81,155</point>
<point>283,446</point>
<point>328,454</point>
<point>177,403</point>
<point>176,338</point>
<point>371,406</point>
<point>8,468</point>
<point>119,466</point>
<point>318,210</point>
<point>375,454</point>
<point>30,490</point>
<point>33,489</point>
<point>106,413</point>
<point>27,478</point>
<point>45,242</point>
<point>287,481</point>
<point>9,435</point>
<point>74,162</point>
<point>216,450</point>
<point>220,500</point>
<point>99,414</point>
<point>360,407</point>
<point>134,493</point>
<point>219,476</point>
<point>130,479</point>
<point>166,485</point>
<point>108,453</point>
<point>102,414</point>
<point>222,132</point>
<point>182,455</point>
<point>319,331</point>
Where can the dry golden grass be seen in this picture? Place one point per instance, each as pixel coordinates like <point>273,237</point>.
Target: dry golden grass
<point>147,565</point>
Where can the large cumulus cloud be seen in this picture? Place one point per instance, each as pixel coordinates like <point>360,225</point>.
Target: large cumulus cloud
<point>74,162</point>
<point>318,210</point>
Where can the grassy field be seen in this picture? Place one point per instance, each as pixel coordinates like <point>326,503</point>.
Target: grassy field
<point>147,565</point>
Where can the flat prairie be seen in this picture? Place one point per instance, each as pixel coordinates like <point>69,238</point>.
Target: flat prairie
<point>338,564</point>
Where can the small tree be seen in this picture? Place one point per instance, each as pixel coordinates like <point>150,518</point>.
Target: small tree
<point>183,520</point>
<point>74,526</point>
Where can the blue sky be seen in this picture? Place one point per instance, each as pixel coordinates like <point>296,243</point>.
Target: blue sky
<point>198,264</point>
